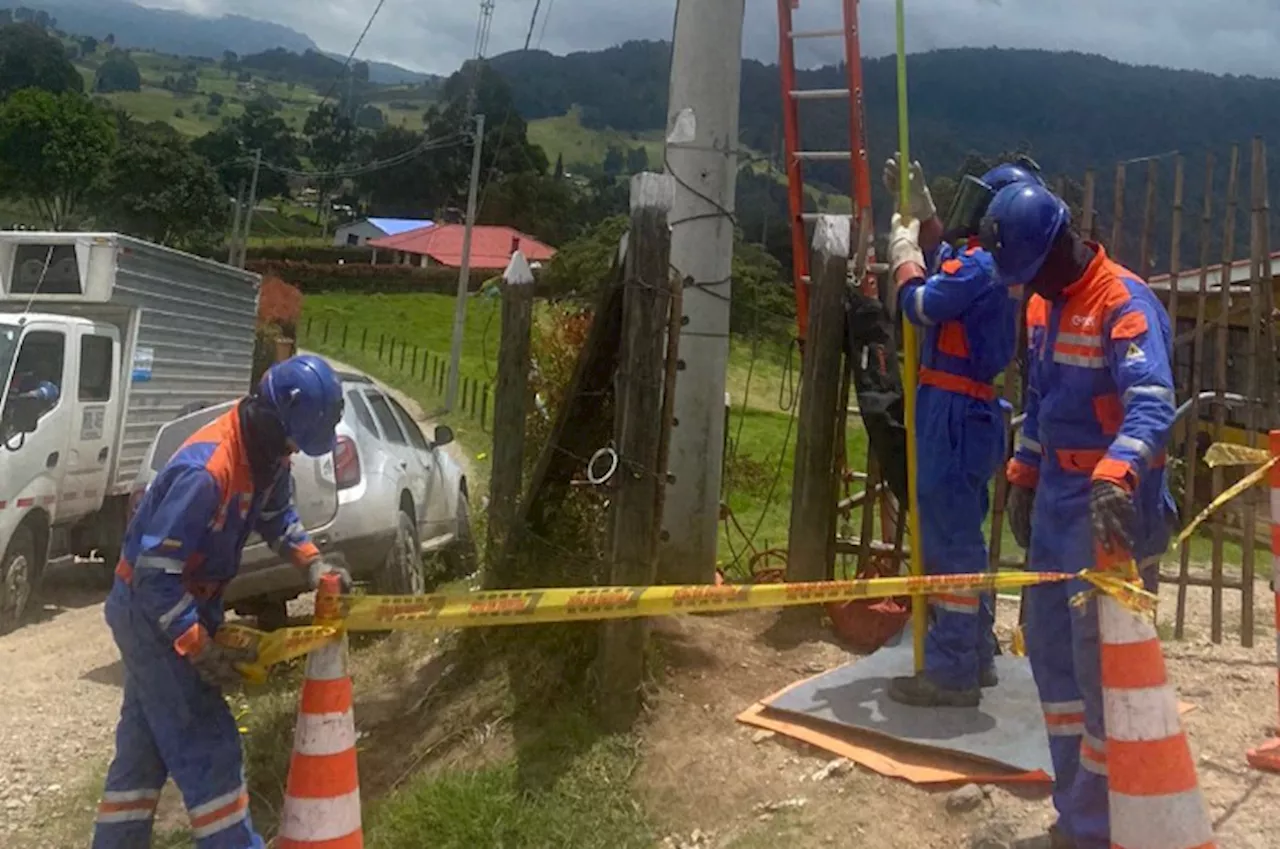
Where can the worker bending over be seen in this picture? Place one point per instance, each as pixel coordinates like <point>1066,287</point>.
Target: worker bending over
<point>970,320</point>
<point>1088,474</point>
<point>181,549</point>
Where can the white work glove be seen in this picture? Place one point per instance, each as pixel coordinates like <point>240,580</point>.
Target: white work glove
<point>922,206</point>
<point>904,244</point>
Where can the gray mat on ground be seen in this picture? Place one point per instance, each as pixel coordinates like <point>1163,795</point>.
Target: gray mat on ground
<point>1007,728</point>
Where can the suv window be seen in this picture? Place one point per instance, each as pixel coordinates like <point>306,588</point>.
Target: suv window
<point>382,410</point>
<point>97,355</point>
<point>172,435</point>
<point>410,426</point>
<point>362,411</point>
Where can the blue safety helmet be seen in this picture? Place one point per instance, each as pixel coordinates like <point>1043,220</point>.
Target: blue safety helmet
<point>1020,228</point>
<point>306,394</point>
<point>974,195</point>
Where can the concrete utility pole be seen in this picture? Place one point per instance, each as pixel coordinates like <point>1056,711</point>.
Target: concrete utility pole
<point>253,201</point>
<point>706,72</point>
<point>464,273</point>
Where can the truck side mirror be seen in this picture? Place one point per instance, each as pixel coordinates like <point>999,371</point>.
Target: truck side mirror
<point>24,415</point>
<point>443,436</point>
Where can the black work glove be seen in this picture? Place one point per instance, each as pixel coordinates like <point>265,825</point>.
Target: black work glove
<point>329,564</point>
<point>1021,501</point>
<point>216,664</point>
<point>1114,517</point>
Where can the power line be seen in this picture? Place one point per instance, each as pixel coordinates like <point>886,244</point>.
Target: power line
<point>352,55</point>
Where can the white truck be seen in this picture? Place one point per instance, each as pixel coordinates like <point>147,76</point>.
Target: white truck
<point>129,335</point>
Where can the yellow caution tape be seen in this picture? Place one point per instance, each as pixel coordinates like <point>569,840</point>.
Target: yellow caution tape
<point>275,646</point>
<point>1230,454</point>
<point>1229,493</point>
<point>542,606</point>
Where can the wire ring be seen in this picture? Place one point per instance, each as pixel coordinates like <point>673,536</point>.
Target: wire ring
<point>598,480</point>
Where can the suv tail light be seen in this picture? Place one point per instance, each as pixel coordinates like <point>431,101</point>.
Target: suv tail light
<point>346,463</point>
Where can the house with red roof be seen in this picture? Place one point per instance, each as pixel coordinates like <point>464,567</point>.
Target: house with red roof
<point>441,245</point>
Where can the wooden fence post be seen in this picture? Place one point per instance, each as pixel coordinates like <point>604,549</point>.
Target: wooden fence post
<point>1191,456</point>
<point>1148,219</point>
<point>637,428</point>
<point>484,407</point>
<point>325,338</point>
<point>1117,223</point>
<point>510,401</point>
<point>345,327</point>
<point>1220,382</point>
<point>813,494</point>
<point>403,347</point>
<point>1090,199</point>
<point>382,338</point>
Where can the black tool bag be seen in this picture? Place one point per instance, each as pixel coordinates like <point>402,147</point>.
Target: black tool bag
<point>871,346</point>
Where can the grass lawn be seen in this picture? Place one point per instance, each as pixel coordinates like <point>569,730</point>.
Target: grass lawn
<point>565,136</point>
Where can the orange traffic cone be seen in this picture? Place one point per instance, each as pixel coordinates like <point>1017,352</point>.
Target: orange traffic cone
<point>322,796</point>
<point>1155,796</point>
<point>1267,756</point>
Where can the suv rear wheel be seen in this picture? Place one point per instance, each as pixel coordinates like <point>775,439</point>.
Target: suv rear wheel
<point>460,558</point>
<point>402,573</point>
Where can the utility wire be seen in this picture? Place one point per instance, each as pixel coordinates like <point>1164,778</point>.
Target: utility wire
<point>346,66</point>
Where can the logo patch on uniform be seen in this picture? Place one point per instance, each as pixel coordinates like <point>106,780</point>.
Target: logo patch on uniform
<point>1134,354</point>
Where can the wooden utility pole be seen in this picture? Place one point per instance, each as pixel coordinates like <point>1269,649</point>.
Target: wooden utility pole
<point>1086,214</point>
<point>464,272</point>
<point>510,401</point>
<point>233,249</point>
<point>813,494</point>
<point>248,213</point>
<point>637,428</point>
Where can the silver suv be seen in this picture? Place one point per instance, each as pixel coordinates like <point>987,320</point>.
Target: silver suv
<point>386,498</point>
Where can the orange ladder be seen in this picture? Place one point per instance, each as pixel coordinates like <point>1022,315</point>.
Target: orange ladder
<point>792,95</point>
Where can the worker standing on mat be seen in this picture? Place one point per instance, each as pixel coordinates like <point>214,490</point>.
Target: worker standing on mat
<point>181,549</point>
<point>970,321</point>
<point>1088,474</point>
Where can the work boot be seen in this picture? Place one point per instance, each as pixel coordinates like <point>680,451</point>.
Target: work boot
<point>988,678</point>
<point>919,691</point>
<point>1052,839</point>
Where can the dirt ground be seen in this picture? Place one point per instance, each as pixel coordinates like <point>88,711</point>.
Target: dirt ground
<point>714,783</point>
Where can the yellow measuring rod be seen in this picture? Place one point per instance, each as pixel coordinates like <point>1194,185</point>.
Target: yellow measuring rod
<point>911,356</point>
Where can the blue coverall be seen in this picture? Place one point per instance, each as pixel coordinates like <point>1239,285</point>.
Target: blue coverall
<point>971,331</point>
<point>1100,406</point>
<point>181,549</point>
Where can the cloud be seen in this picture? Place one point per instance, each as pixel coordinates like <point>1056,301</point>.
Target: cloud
<point>1222,36</point>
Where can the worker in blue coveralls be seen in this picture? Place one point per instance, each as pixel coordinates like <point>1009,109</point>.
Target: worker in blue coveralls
<point>181,549</point>
<point>970,330</point>
<point>1088,476</point>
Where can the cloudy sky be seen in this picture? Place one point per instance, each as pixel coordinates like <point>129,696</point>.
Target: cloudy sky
<point>1224,36</point>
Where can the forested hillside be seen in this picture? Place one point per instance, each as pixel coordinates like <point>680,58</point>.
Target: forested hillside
<point>1069,110</point>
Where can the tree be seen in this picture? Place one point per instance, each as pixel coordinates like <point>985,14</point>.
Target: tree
<point>230,149</point>
<point>88,45</point>
<point>118,73</point>
<point>583,264</point>
<point>370,117</point>
<point>331,142</point>
<point>559,172</point>
<point>230,61</point>
<point>216,100</point>
<point>407,190</point>
<point>188,83</point>
<point>614,161</point>
<point>537,204</point>
<point>54,149</point>
<point>159,189</point>
<point>637,160</point>
<point>31,58</point>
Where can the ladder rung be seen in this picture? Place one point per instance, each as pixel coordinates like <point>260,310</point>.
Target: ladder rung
<point>819,33</point>
<point>820,93</point>
<point>824,155</point>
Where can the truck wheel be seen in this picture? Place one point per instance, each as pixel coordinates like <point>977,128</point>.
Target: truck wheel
<point>460,559</point>
<point>402,573</point>
<point>17,578</point>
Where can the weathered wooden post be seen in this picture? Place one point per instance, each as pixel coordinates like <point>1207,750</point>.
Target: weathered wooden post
<point>1117,222</point>
<point>1087,213</point>
<point>637,428</point>
<point>510,400</point>
<point>813,494</point>
<point>364,339</point>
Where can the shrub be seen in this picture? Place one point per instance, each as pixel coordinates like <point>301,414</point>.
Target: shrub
<point>280,304</point>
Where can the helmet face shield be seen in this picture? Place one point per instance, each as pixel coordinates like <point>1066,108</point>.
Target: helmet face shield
<point>964,219</point>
